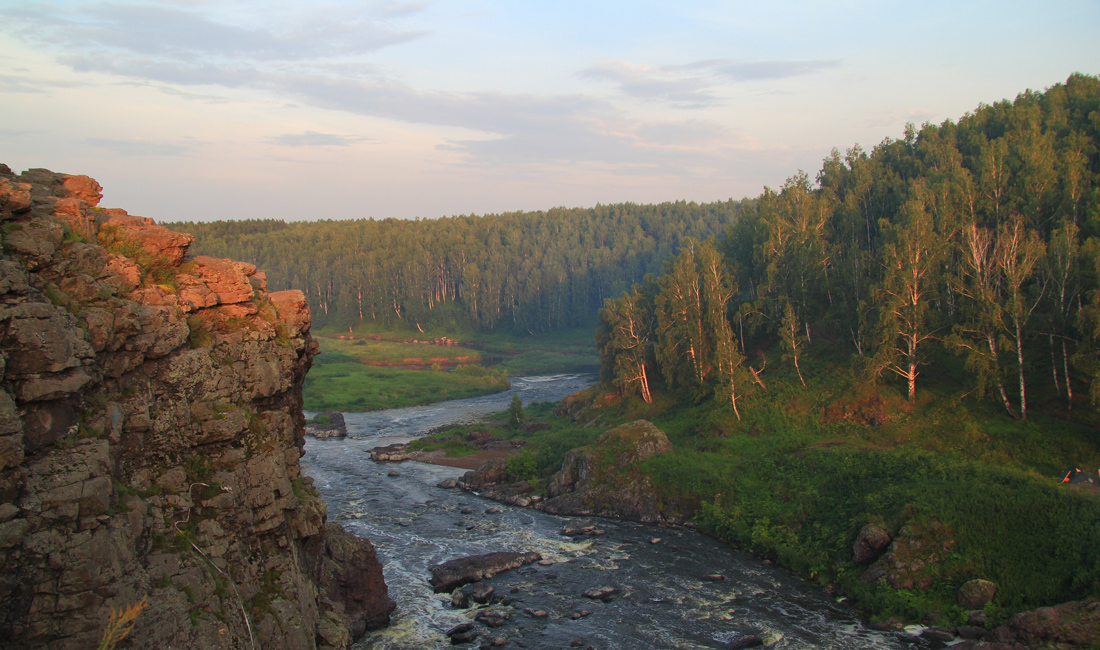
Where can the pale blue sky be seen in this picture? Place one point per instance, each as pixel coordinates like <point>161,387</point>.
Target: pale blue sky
<point>208,109</point>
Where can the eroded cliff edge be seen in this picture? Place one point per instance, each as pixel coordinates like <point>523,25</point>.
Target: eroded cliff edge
<point>150,431</point>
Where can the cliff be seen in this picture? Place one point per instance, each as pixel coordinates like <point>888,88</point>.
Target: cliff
<point>150,431</point>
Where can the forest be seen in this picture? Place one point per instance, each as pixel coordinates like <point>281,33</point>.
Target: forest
<point>978,238</point>
<point>522,272</point>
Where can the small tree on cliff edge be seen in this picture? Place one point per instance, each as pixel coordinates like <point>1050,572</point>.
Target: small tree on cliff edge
<point>515,411</point>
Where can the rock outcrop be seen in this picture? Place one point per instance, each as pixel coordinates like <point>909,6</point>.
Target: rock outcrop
<point>327,424</point>
<point>464,570</point>
<point>601,479</point>
<point>915,557</point>
<point>150,431</point>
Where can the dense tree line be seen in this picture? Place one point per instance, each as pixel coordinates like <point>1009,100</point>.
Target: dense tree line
<point>980,237</point>
<point>522,271</point>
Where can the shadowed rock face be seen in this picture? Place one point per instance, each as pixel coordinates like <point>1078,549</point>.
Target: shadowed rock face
<point>150,430</point>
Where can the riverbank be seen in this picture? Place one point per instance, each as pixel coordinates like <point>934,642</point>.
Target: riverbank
<point>802,496</point>
<point>663,599</point>
<point>368,370</point>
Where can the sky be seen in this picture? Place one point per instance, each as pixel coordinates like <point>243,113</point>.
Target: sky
<point>206,110</point>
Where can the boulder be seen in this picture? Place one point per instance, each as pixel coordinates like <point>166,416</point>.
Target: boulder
<point>603,594</point>
<point>464,570</point>
<point>391,453</point>
<point>349,573</point>
<point>602,479</point>
<point>491,473</point>
<point>327,424</point>
<point>870,543</point>
<point>1073,624</point>
<point>976,593</point>
<point>914,557</point>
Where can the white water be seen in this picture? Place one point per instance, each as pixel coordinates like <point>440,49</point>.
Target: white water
<point>662,601</point>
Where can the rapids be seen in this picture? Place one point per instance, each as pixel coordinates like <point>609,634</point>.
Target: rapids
<point>662,601</point>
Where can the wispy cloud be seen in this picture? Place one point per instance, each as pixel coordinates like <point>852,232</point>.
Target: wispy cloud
<point>693,85</point>
<point>22,84</point>
<point>320,57</point>
<point>315,139</point>
<point>653,83</point>
<point>169,32</point>
<point>138,147</point>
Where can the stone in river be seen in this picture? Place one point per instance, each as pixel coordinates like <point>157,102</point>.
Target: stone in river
<point>600,593</point>
<point>713,577</point>
<point>464,570</point>
<point>481,593</point>
<point>751,641</point>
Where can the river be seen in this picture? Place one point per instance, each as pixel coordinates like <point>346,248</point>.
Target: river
<point>662,600</point>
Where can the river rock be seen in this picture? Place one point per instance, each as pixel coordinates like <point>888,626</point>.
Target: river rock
<point>976,593</point>
<point>481,593</point>
<point>491,473</point>
<point>447,484</point>
<point>971,632</point>
<point>327,424</point>
<point>464,570</point>
<point>751,641</point>
<point>390,453</point>
<point>936,633</point>
<point>713,577</point>
<point>870,543</point>
<point>601,593</point>
<point>462,633</point>
<point>977,618</point>
<point>577,529</point>
<point>491,618</point>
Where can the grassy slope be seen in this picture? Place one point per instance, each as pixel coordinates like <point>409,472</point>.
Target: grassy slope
<point>343,378</point>
<point>796,480</point>
<point>364,374</point>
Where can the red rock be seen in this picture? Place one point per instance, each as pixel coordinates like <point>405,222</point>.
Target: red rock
<point>75,213</point>
<point>293,310</point>
<point>226,278</point>
<point>83,188</point>
<point>15,197</point>
<point>156,240</point>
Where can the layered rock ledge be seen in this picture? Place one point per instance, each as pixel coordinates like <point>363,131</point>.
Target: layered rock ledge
<point>150,431</point>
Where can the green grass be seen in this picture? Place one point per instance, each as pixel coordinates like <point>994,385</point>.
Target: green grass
<point>454,446</point>
<point>395,352</point>
<point>539,354</point>
<point>364,374</point>
<point>352,386</point>
<point>795,480</point>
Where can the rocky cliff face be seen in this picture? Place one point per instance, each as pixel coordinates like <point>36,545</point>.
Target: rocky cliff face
<point>150,431</point>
